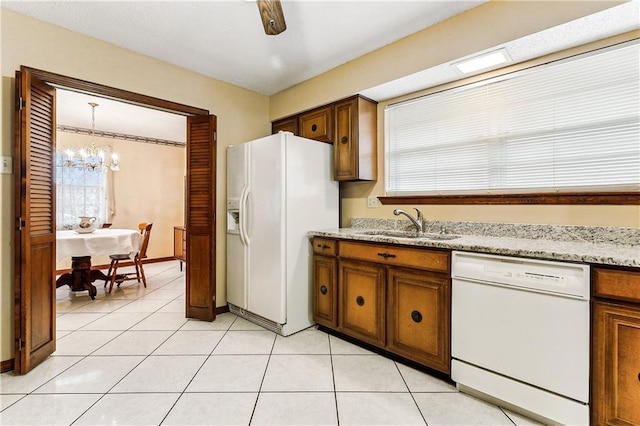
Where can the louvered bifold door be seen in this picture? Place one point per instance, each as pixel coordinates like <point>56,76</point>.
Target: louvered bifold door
<point>200,212</point>
<point>35,238</point>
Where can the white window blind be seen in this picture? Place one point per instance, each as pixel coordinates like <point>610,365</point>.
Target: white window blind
<point>570,125</point>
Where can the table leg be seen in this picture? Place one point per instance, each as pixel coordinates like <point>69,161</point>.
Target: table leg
<point>81,276</point>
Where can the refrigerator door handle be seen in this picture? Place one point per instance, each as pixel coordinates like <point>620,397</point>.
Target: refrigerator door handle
<point>243,215</point>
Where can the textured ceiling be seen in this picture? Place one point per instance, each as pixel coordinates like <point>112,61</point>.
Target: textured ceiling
<point>226,40</point>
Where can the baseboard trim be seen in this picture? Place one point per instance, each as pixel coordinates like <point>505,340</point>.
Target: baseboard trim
<point>222,309</point>
<point>6,365</point>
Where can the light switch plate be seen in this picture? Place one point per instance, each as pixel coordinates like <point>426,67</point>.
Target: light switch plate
<point>7,165</point>
<point>372,202</point>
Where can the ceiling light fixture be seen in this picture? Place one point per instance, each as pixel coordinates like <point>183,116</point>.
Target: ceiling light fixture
<point>272,16</point>
<point>93,157</point>
<point>483,61</point>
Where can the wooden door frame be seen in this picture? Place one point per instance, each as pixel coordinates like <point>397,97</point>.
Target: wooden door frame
<point>83,86</point>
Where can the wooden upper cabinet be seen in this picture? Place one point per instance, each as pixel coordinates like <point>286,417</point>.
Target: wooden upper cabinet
<point>351,125</point>
<point>317,124</point>
<point>355,152</point>
<point>289,124</point>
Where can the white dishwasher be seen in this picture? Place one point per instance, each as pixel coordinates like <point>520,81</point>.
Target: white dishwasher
<point>520,333</point>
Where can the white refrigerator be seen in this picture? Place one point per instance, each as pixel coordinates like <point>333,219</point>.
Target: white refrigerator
<point>278,188</point>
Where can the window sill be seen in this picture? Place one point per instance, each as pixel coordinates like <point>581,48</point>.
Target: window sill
<point>584,198</point>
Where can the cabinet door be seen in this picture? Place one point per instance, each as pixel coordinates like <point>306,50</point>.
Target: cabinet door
<point>355,152</point>
<point>616,365</point>
<point>361,301</point>
<point>286,125</point>
<point>325,302</point>
<point>346,145</point>
<point>418,317</point>
<point>317,124</point>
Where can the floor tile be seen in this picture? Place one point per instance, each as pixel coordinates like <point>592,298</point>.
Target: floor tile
<point>142,305</point>
<point>83,342</point>
<point>72,321</point>
<point>134,343</point>
<point>308,341</point>
<point>26,383</point>
<point>116,321</point>
<point>129,409</point>
<point>162,321</point>
<point>70,304</point>
<point>173,306</point>
<point>47,409</point>
<point>458,408</point>
<point>190,343</point>
<point>378,409</point>
<point>230,373</point>
<point>295,409</point>
<point>8,400</point>
<point>96,374</point>
<point>519,419</point>
<point>342,347</point>
<point>298,373</point>
<point>161,374</point>
<point>222,322</point>
<point>103,306</point>
<point>246,342</point>
<point>418,381</point>
<point>163,294</point>
<point>366,373</point>
<point>212,409</point>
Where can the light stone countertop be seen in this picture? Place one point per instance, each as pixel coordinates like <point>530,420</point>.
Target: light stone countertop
<point>536,243</point>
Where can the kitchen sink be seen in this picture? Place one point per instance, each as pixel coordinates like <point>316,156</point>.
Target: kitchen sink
<point>404,234</point>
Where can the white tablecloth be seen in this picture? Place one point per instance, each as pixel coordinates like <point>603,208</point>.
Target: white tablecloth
<point>100,242</point>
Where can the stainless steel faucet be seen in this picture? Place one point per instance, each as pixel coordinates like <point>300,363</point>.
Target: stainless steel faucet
<point>417,222</point>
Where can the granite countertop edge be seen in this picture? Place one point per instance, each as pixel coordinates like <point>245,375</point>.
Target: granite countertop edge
<point>571,251</point>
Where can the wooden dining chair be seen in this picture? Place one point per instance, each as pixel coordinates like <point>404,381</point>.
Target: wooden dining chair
<point>106,225</point>
<point>138,274</point>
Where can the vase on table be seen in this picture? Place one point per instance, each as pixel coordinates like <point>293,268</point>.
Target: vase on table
<point>86,225</point>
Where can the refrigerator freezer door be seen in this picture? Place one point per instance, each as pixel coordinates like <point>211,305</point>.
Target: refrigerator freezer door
<point>237,262</point>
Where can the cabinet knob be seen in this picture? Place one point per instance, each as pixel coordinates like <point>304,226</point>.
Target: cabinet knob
<point>344,139</point>
<point>323,246</point>
<point>360,300</point>
<point>323,289</point>
<point>314,127</point>
<point>416,316</point>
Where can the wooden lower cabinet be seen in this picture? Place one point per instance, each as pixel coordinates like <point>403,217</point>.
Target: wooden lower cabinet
<point>361,301</point>
<point>615,386</point>
<point>418,310</point>
<point>376,298</point>
<point>325,306</point>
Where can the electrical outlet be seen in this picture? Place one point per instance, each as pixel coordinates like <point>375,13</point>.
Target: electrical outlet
<point>7,165</point>
<point>372,202</point>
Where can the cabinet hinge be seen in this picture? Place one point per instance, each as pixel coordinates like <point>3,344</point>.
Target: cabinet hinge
<point>20,344</point>
<point>21,103</point>
<point>215,135</point>
<point>21,223</point>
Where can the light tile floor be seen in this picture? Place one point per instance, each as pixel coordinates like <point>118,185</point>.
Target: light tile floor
<point>132,358</point>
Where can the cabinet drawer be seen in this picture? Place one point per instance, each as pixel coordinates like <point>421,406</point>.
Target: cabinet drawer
<point>325,246</point>
<point>617,284</point>
<point>395,255</point>
<point>317,124</point>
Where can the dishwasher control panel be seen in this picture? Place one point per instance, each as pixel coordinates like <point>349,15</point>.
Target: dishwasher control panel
<point>563,278</point>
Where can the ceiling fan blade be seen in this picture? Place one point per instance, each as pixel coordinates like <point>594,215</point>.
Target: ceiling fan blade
<point>272,17</point>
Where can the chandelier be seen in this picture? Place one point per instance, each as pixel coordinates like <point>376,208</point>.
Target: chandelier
<point>91,157</point>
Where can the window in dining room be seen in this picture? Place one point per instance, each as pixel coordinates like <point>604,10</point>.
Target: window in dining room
<point>80,191</point>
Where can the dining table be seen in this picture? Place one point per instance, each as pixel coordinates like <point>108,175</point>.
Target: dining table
<point>80,246</point>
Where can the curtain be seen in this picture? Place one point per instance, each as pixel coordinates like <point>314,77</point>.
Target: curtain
<point>80,192</point>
